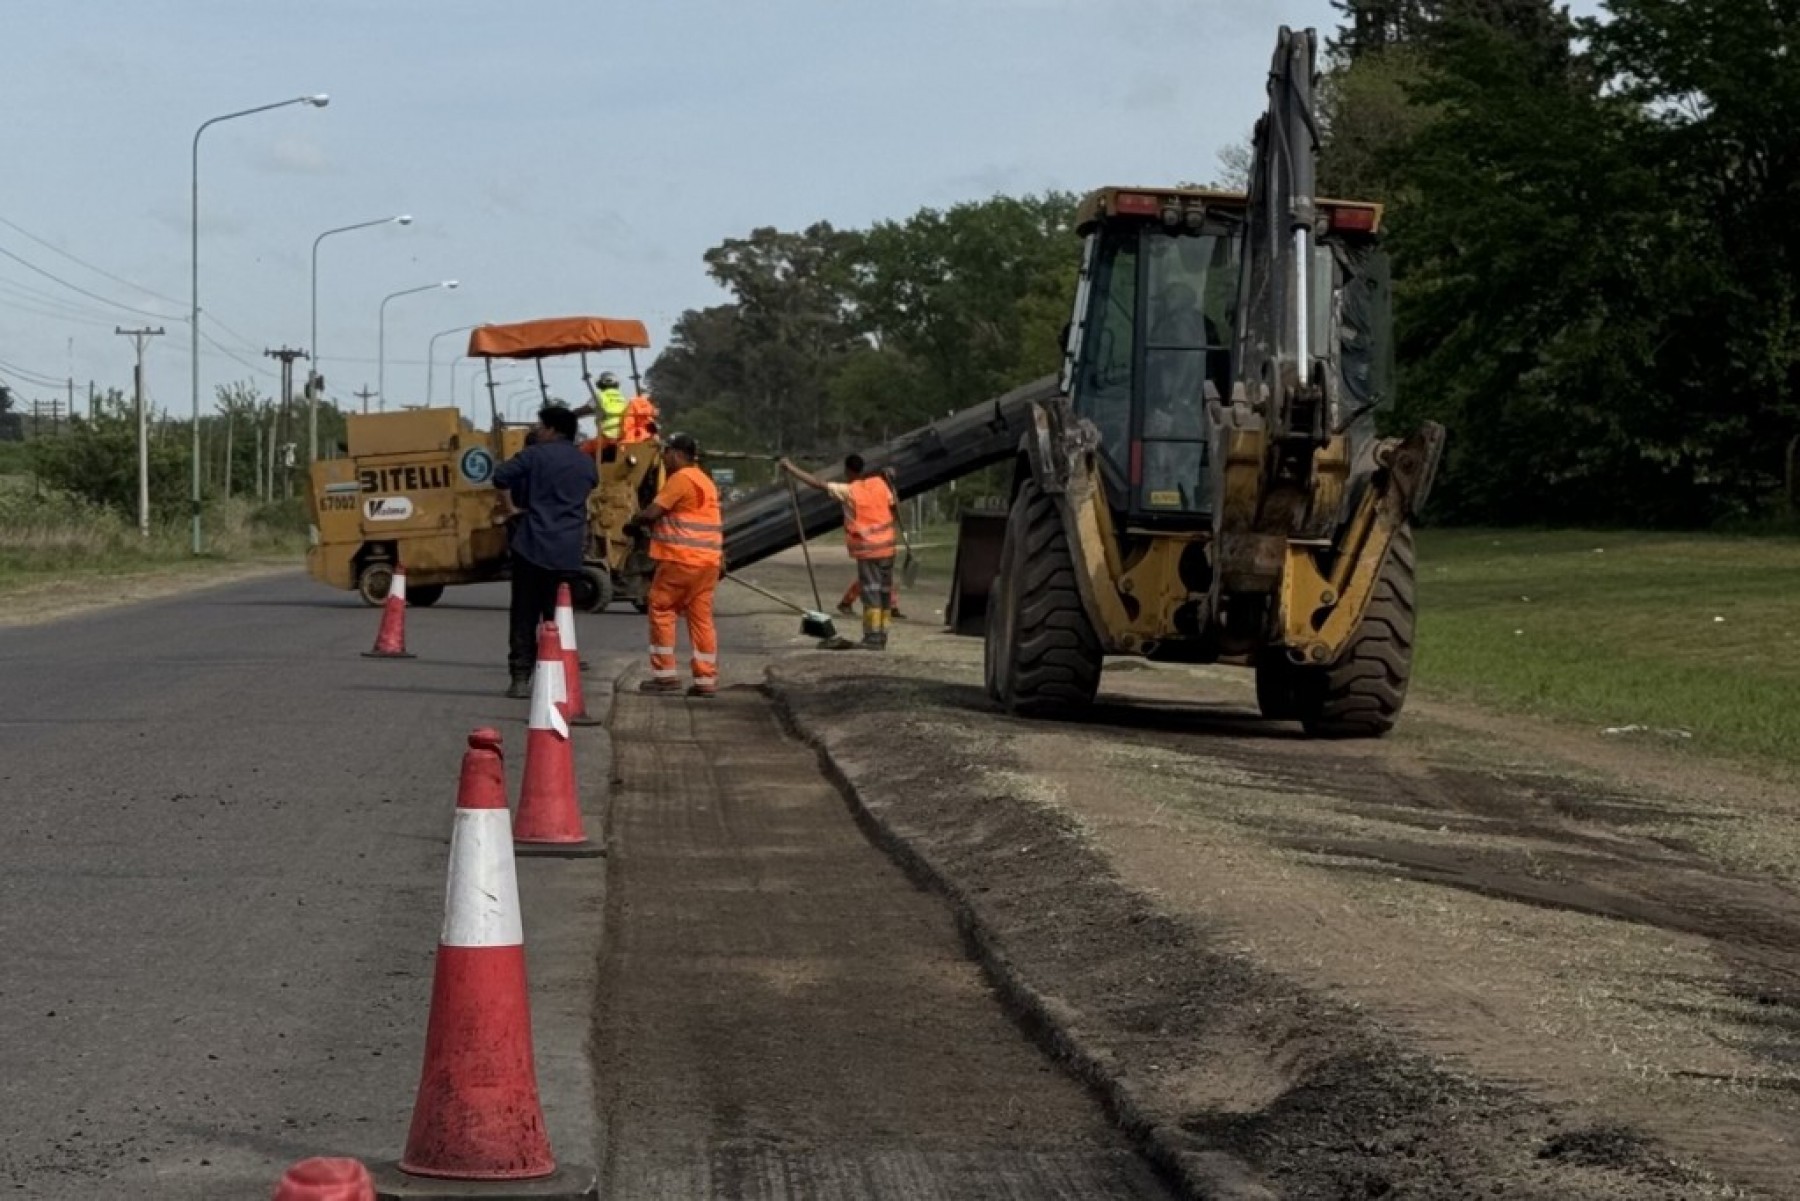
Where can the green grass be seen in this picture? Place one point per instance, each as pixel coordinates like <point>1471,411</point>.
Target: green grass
<point>1615,629</point>
<point>55,537</point>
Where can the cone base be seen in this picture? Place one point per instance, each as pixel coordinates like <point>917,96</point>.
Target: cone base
<point>587,848</point>
<point>586,719</point>
<point>388,655</point>
<point>570,1182</point>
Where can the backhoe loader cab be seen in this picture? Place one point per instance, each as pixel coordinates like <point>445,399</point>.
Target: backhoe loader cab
<point>1208,486</point>
<point>1156,309</point>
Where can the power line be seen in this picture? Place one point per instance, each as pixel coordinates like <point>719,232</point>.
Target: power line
<point>117,279</point>
<point>31,266</point>
<point>30,376</point>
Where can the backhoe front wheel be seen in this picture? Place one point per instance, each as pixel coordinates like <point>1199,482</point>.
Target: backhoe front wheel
<point>1041,657</point>
<point>1360,696</point>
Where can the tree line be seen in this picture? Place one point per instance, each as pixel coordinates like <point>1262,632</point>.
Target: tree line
<point>1595,226</point>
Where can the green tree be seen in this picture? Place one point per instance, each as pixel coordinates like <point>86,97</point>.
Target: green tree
<point>97,461</point>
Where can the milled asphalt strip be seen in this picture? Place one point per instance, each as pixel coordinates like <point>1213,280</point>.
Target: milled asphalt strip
<point>1212,1175</point>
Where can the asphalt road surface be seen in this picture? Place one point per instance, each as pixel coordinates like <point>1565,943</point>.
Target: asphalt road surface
<point>222,853</point>
<point>223,836</point>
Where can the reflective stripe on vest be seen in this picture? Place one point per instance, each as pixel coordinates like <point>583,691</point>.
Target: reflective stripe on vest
<point>611,403</point>
<point>869,519</point>
<point>693,536</point>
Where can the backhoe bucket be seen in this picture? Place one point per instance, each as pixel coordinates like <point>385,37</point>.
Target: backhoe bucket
<point>979,540</point>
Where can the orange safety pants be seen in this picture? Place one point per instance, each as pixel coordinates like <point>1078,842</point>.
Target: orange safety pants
<point>683,590</point>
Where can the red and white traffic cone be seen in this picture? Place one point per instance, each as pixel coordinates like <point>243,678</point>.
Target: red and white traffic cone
<point>549,817</point>
<point>477,1116</point>
<point>390,640</point>
<point>575,703</point>
<point>326,1179</point>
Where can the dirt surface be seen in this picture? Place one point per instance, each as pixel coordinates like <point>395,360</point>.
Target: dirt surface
<point>784,1015</point>
<point>1468,960</point>
<point>51,600</point>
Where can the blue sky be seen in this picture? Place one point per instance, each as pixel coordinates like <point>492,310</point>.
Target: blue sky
<point>557,157</point>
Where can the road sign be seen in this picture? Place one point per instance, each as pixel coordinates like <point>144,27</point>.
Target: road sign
<point>724,476</point>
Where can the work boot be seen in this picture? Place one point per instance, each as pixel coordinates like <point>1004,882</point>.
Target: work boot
<point>520,688</point>
<point>847,609</point>
<point>707,691</point>
<point>896,615</point>
<point>660,687</point>
<point>839,643</point>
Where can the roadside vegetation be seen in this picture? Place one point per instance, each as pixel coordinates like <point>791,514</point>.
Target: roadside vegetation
<point>68,501</point>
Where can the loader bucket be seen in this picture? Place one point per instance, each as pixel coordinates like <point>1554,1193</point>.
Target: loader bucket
<point>979,540</point>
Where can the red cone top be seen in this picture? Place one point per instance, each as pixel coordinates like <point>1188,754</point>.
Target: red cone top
<point>326,1180</point>
<point>549,643</point>
<point>483,777</point>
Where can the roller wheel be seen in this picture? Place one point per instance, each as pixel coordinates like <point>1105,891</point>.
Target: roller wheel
<point>1360,696</point>
<point>1041,657</point>
<point>374,581</point>
<point>424,596</point>
<point>591,589</point>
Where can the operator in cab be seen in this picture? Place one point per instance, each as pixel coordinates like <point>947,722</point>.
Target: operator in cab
<point>550,481</point>
<point>687,542</point>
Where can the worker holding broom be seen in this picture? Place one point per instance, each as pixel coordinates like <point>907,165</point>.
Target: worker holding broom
<point>687,541</point>
<point>871,529</point>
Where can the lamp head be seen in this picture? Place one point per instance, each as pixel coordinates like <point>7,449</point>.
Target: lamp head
<point>317,101</point>
<point>449,284</point>
<point>403,219</point>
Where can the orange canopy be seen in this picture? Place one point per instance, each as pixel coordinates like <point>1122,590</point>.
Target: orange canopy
<point>556,335</point>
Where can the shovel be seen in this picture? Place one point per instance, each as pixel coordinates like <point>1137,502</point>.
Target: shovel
<point>813,623</point>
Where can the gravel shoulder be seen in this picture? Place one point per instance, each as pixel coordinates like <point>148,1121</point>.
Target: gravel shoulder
<point>42,600</point>
<point>1478,958</point>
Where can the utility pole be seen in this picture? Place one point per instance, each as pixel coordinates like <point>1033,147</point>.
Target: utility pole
<point>287,355</point>
<point>140,337</point>
<point>365,396</point>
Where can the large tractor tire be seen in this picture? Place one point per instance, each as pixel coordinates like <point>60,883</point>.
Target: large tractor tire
<point>1041,657</point>
<point>1360,696</point>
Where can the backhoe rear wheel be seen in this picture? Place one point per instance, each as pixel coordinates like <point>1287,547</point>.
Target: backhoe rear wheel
<point>1360,696</point>
<point>1041,657</point>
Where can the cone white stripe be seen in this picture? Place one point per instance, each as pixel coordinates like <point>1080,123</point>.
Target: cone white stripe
<point>397,589</point>
<point>565,627</point>
<point>547,692</point>
<point>481,900</point>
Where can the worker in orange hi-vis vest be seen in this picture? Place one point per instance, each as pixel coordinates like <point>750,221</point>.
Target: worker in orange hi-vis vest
<point>639,422</point>
<point>871,530</point>
<point>687,541</point>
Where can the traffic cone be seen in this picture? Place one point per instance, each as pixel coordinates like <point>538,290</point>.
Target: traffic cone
<point>326,1179</point>
<point>575,706</point>
<point>477,1116</point>
<point>390,641</point>
<point>549,817</point>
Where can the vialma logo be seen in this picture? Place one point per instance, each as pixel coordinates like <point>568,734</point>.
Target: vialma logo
<point>388,508</point>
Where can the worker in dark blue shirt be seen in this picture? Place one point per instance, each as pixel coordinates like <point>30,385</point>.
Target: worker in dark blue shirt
<point>550,480</point>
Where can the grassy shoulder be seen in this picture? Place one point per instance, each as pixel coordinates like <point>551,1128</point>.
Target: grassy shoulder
<point>48,538</point>
<point>1688,635</point>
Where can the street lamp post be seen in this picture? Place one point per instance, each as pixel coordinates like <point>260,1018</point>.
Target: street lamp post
<point>431,361</point>
<point>381,333</point>
<point>312,391</point>
<point>318,101</point>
